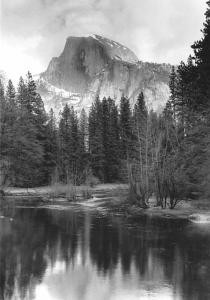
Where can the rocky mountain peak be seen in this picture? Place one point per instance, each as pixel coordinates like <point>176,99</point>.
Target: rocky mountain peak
<point>95,65</point>
<point>116,50</point>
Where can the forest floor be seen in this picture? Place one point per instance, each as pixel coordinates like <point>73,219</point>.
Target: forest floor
<point>110,197</point>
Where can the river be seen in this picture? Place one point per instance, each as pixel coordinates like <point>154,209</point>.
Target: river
<point>75,253</point>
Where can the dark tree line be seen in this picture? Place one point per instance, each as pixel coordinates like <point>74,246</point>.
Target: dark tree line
<point>23,135</point>
<point>173,149</point>
<point>36,149</point>
<point>185,141</point>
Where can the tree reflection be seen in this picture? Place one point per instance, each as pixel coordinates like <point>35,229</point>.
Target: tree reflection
<point>161,251</point>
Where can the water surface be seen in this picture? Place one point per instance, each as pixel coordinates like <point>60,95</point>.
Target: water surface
<point>77,254</point>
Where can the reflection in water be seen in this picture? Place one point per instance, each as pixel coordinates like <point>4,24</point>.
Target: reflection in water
<point>53,254</point>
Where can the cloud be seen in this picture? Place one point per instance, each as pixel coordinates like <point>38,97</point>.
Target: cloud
<point>156,30</point>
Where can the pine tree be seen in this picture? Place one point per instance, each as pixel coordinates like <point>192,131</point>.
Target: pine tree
<point>113,159</point>
<point>201,48</point>
<point>125,128</point>
<point>75,147</point>
<point>64,143</point>
<point>70,148</point>
<point>111,144</point>
<point>140,128</point>
<point>96,146</point>
<point>83,146</point>
<point>2,109</point>
<point>141,150</point>
<point>51,149</point>
<point>29,165</point>
<point>193,107</point>
<point>202,62</point>
<point>10,136</point>
<point>21,95</point>
<point>173,90</point>
<point>10,93</point>
<point>105,137</point>
<point>3,138</point>
<point>83,129</point>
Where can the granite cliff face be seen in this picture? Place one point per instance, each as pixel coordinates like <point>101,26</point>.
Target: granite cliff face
<point>93,65</point>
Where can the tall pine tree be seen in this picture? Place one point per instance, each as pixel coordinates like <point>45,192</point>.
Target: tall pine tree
<point>96,145</point>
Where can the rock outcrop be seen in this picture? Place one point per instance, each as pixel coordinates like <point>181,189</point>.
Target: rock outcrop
<point>93,65</point>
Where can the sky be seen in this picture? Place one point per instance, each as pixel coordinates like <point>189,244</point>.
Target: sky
<point>34,31</point>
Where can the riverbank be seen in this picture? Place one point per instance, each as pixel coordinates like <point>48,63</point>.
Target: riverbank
<point>183,210</point>
<point>110,197</point>
<point>57,191</point>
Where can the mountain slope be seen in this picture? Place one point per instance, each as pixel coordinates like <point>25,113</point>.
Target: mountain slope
<point>94,65</point>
